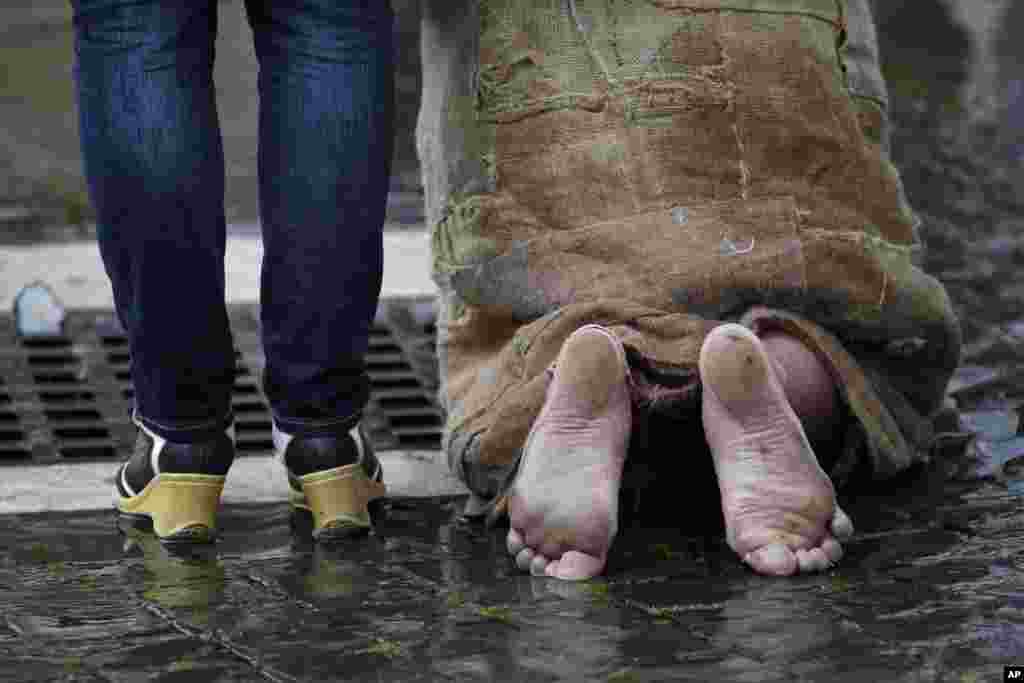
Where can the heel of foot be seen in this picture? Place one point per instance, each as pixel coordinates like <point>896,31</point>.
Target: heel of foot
<point>733,362</point>
<point>592,363</point>
<point>181,506</point>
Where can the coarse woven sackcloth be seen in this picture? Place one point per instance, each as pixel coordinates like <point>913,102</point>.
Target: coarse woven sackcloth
<point>659,167</point>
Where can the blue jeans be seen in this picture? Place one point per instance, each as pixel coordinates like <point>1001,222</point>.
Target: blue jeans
<point>155,166</point>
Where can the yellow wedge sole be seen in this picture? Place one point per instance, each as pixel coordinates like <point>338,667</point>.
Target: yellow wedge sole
<point>338,500</point>
<point>181,506</point>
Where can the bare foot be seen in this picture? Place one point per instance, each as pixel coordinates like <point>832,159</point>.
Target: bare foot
<point>564,503</point>
<point>780,510</point>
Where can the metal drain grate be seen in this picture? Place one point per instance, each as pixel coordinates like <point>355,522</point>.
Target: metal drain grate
<point>68,398</point>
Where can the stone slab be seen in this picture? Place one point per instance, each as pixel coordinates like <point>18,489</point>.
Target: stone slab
<point>252,479</point>
<point>76,273</point>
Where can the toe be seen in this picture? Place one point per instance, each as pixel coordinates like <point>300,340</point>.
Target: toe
<point>774,559</point>
<point>575,566</point>
<point>842,526</point>
<point>813,560</point>
<point>514,542</point>
<point>524,558</point>
<point>833,551</point>
<point>539,565</point>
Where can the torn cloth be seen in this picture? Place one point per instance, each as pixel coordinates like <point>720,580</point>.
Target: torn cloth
<point>659,167</point>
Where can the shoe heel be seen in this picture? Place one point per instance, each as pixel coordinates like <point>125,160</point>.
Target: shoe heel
<point>182,507</point>
<point>339,501</point>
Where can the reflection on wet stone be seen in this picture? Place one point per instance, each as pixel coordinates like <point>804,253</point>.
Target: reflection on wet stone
<point>176,577</point>
<point>430,596</point>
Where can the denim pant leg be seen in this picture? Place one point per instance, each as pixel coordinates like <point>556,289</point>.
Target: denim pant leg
<point>154,163</point>
<point>326,128</point>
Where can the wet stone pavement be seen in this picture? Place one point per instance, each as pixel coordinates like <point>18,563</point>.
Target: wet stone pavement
<point>931,588</point>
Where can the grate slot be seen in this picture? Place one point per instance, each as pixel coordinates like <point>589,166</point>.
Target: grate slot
<point>389,353</point>
<point>393,381</point>
<point>113,341</point>
<point>423,412</point>
<point>401,403</point>
<point>246,406</point>
<point>254,448</point>
<point>11,435</point>
<point>119,358</point>
<point>386,350</point>
<point>14,453</point>
<point>58,377</point>
<point>67,396</point>
<point>8,417</point>
<point>387,366</point>
<point>46,343</point>
<point>420,442</point>
<point>413,427</point>
<point>262,445</point>
<point>89,451</point>
<point>248,426</point>
<point>382,341</point>
<point>383,393</point>
<point>72,414</point>
<point>405,404</point>
<point>415,422</point>
<point>81,432</point>
<point>37,360</point>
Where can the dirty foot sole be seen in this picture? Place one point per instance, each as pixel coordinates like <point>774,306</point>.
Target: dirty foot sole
<point>779,506</point>
<point>179,508</point>
<point>563,506</point>
<point>339,501</point>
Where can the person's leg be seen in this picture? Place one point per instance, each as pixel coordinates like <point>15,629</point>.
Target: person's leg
<point>563,506</point>
<point>806,381</point>
<point>326,129</point>
<point>760,400</point>
<point>153,160</point>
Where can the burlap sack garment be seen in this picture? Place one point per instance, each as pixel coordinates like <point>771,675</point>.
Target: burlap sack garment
<point>660,166</point>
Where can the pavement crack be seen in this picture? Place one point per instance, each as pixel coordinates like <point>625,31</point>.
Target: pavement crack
<point>218,638</point>
<point>406,573</point>
<point>274,588</point>
<point>14,627</point>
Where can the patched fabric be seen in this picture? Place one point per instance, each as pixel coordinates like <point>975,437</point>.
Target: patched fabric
<point>657,168</point>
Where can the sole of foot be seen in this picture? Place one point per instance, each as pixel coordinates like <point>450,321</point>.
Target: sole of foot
<point>563,506</point>
<point>780,509</point>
